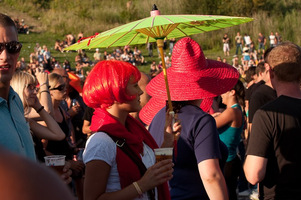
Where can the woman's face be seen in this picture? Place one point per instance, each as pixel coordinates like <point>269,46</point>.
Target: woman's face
<point>225,97</point>
<point>58,92</point>
<point>133,105</point>
<point>30,94</point>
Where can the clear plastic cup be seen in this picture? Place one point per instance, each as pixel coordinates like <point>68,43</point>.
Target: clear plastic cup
<point>56,162</point>
<point>163,154</point>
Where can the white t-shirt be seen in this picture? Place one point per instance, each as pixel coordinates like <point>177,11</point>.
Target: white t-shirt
<point>272,39</point>
<point>100,146</point>
<point>247,40</point>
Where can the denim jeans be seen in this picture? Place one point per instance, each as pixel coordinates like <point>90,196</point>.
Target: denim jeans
<point>238,46</point>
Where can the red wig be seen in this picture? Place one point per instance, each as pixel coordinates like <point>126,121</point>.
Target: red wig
<point>107,83</point>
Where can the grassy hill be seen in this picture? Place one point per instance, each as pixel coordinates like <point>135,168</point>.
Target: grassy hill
<point>50,20</point>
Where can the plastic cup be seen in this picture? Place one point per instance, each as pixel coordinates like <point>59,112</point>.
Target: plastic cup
<point>56,162</point>
<point>163,154</point>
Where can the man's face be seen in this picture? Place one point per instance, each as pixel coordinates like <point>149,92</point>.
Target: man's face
<point>8,61</point>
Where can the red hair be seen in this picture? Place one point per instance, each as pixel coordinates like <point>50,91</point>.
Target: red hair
<point>107,83</point>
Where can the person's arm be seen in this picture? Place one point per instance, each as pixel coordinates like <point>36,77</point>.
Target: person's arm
<point>86,128</point>
<point>255,168</point>
<point>226,117</point>
<point>51,132</point>
<point>97,174</point>
<point>213,179</point>
<point>44,95</point>
<point>260,146</point>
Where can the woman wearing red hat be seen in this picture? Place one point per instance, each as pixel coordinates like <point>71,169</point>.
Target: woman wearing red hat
<point>119,157</point>
<point>193,82</point>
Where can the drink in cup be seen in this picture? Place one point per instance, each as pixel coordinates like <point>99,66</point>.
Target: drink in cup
<point>56,162</point>
<point>163,154</point>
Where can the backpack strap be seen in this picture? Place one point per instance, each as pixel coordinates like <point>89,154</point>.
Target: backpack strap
<point>121,143</point>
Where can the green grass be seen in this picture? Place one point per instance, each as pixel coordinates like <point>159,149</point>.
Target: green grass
<point>48,39</point>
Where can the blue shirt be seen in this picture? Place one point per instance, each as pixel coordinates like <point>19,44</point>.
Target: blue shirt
<point>14,132</point>
<point>198,141</point>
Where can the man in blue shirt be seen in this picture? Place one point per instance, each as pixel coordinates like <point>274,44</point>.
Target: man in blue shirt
<point>14,132</point>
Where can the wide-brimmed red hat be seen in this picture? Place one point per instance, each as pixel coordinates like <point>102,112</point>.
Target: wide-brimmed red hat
<point>190,77</point>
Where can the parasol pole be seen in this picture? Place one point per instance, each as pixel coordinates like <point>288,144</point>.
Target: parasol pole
<point>160,44</point>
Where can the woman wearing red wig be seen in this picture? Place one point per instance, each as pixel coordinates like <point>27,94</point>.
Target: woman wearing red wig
<point>119,157</point>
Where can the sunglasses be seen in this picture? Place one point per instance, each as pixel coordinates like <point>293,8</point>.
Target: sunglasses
<point>59,88</point>
<point>11,47</point>
<point>31,86</point>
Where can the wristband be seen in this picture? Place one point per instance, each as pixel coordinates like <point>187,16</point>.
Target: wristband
<point>40,109</point>
<point>45,91</point>
<point>43,84</point>
<point>138,188</point>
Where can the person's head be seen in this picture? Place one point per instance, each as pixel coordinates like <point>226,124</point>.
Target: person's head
<point>144,80</point>
<point>250,73</point>
<point>238,34</point>
<point>108,83</point>
<point>24,85</point>
<point>63,73</point>
<point>237,93</point>
<point>285,62</point>
<point>144,98</point>
<point>57,87</point>
<point>260,70</point>
<point>9,49</point>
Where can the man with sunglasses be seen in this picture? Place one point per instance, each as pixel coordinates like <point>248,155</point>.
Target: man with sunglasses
<point>29,181</point>
<point>14,133</point>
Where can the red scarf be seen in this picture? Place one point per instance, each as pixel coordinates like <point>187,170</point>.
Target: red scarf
<point>134,135</point>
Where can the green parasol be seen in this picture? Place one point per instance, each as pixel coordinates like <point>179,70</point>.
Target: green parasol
<point>156,28</point>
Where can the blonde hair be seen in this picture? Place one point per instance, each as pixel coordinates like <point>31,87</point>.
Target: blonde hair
<point>54,79</point>
<point>19,82</point>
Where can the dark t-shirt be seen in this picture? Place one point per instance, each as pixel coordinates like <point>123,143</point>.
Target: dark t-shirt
<point>252,89</point>
<point>199,141</point>
<point>261,39</point>
<point>276,135</point>
<point>260,97</point>
<point>61,147</point>
<point>88,114</point>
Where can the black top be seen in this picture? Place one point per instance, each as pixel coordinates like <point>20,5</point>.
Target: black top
<point>61,147</point>
<point>252,89</point>
<point>263,95</point>
<point>88,114</point>
<point>276,136</point>
<point>38,147</point>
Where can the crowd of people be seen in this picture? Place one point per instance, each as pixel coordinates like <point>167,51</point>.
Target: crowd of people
<point>235,130</point>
